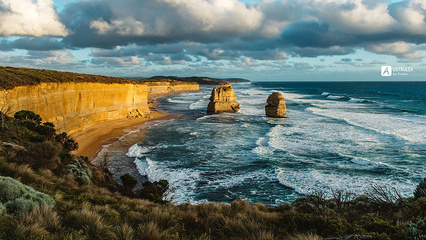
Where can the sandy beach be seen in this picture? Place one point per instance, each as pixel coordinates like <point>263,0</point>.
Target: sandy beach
<point>92,139</point>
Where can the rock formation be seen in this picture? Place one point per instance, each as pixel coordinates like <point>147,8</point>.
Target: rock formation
<point>223,100</point>
<point>276,106</point>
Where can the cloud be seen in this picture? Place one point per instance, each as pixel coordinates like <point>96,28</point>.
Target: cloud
<point>303,66</point>
<point>29,18</point>
<point>400,49</point>
<point>355,16</point>
<point>196,33</point>
<point>32,43</point>
<point>410,16</point>
<point>110,23</point>
<point>246,63</point>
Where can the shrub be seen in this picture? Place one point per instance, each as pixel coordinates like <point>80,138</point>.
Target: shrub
<point>154,191</point>
<point>128,181</point>
<point>28,115</point>
<point>416,231</point>
<point>2,209</point>
<point>41,155</point>
<point>67,142</point>
<point>420,190</point>
<point>80,171</point>
<point>19,198</point>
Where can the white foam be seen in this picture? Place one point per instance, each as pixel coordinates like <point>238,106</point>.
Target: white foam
<point>325,94</point>
<point>356,100</point>
<point>306,181</point>
<point>182,181</point>
<point>409,128</point>
<point>261,150</point>
<point>201,104</point>
<point>364,163</point>
<point>137,151</point>
<point>254,92</point>
<point>333,97</point>
<point>238,179</point>
<point>177,101</point>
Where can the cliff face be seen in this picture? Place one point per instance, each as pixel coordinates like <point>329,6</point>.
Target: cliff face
<point>223,99</point>
<point>156,89</point>
<point>73,107</point>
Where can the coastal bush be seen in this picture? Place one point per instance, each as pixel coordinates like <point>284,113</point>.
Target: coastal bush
<point>67,142</point>
<point>18,198</point>
<point>41,155</point>
<point>129,182</point>
<point>420,190</point>
<point>2,209</point>
<point>416,231</point>
<point>80,171</point>
<point>154,191</point>
<point>28,115</point>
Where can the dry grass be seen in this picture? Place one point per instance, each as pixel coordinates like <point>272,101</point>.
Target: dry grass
<point>309,236</point>
<point>124,232</point>
<point>90,222</point>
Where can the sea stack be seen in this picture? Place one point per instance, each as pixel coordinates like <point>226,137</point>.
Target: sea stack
<point>223,99</point>
<point>276,106</point>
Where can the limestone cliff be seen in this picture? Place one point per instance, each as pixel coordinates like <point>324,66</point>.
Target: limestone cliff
<point>276,106</point>
<point>74,106</point>
<point>223,99</point>
<point>156,89</point>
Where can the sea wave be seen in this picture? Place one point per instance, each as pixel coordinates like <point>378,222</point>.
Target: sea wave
<point>406,128</point>
<point>364,163</point>
<point>334,97</point>
<point>182,181</point>
<point>356,100</point>
<point>137,151</point>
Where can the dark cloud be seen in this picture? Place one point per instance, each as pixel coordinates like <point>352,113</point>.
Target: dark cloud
<point>167,32</point>
<point>313,34</point>
<point>314,52</point>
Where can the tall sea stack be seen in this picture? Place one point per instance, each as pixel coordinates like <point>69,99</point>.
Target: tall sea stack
<point>276,106</point>
<point>223,99</point>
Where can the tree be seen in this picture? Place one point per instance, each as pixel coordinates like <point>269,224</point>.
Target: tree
<point>420,190</point>
<point>129,183</point>
<point>154,191</point>
<point>27,115</point>
<point>67,142</point>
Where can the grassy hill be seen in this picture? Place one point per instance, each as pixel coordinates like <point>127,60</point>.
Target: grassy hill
<point>11,77</point>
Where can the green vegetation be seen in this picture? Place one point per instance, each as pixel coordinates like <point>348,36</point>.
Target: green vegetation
<point>11,77</point>
<point>57,195</point>
<point>420,190</point>
<point>18,198</point>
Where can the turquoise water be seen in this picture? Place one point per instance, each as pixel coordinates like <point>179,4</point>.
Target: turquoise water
<point>343,136</point>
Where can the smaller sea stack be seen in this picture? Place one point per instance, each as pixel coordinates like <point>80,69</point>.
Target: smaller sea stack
<point>276,107</point>
<point>223,99</point>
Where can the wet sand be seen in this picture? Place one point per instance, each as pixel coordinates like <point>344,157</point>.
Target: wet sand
<point>92,139</point>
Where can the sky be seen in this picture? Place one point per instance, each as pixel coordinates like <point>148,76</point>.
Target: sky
<point>263,40</point>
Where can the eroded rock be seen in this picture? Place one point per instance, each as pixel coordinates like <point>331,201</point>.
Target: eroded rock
<point>276,106</point>
<point>223,99</point>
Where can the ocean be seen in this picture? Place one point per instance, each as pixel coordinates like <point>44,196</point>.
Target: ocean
<point>337,136</point>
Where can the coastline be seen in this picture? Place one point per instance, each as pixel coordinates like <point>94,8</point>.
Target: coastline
<point>92,139</point>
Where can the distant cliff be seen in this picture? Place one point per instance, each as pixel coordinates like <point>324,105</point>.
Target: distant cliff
<point>199,80</point>
<point>73,104</point>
